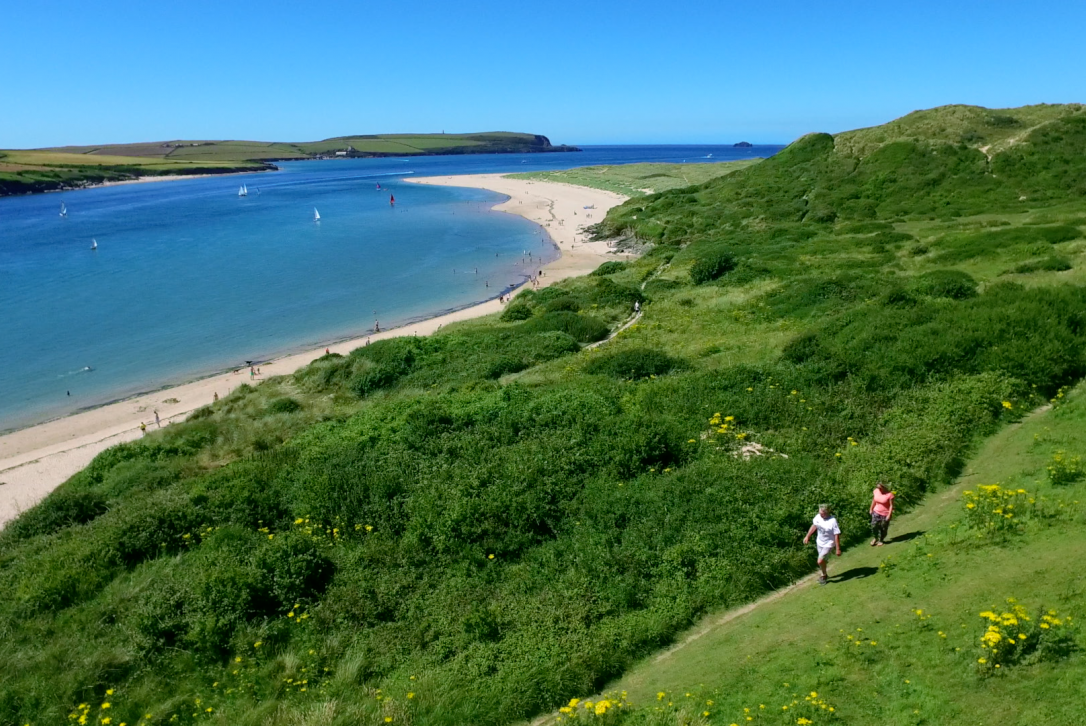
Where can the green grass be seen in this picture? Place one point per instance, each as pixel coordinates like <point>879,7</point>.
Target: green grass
<point>495,519</point>
<point>804,641</point>
<point>993,129</point>
<point>637,180</point>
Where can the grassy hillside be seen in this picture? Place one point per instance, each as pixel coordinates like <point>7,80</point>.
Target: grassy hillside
<point>637,180</point>
<point>23,172</point>
<point>899,636</point>
<point>73,166</point>
<point>477,526</point>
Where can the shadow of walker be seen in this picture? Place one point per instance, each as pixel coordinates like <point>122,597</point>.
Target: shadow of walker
<point>906,537</point>
<point>855,573</point>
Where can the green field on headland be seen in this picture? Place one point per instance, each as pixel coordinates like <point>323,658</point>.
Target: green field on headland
<point>35,170</point>
<point>478,526</point>
<point>637,180</point>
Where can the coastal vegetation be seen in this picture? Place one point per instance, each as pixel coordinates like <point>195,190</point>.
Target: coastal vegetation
<point>637,180</point>
<point>972,615</point>
<point>478,526</point>
<point>27,171</point>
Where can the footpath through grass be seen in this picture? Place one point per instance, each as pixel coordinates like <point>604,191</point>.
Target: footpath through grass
<point>897,637</point>
<point>476,526</point>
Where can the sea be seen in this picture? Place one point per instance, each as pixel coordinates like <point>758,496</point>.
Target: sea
<point>189,279</point>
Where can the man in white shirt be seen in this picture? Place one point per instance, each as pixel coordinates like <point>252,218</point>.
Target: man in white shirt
<point>829,538</point>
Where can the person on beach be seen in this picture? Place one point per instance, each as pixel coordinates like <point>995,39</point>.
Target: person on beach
<point>143,428</point>
<point>881,510</point>
<point>828,540</point>
<point>215,398</point>
<point>158,421</point>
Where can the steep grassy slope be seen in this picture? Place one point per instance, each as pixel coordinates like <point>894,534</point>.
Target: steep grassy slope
<point>474,527</point>
<point>897,638</point>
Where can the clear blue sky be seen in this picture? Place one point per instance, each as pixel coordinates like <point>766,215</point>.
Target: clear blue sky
<point>592,71</point>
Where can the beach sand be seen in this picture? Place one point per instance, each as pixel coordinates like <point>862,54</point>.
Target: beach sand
<point>36,460</point>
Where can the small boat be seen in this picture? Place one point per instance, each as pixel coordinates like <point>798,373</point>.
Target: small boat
<point>94,244</point>
<point>709,156</point>
<point>378,186</point>
<point>316,215</point>
<point>242,191</point>
<point>392,200</point>
<point>63,210</point>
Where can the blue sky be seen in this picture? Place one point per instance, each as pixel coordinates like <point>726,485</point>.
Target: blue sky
<point>580,72</point>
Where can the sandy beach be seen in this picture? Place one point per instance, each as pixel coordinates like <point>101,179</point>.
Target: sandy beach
<point>35,460</point>
<point>170,177</point>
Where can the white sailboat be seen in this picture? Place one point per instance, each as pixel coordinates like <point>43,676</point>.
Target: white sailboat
<point>242,191</point>
<point>94,244</point>
<point>63,210</point>
<point>316,215</point>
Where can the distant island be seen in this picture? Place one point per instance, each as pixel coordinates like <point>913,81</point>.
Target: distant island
<point>743,145</point>
<point>74,167</point>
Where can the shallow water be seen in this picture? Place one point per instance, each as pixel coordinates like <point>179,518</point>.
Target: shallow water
<point>189,279</point>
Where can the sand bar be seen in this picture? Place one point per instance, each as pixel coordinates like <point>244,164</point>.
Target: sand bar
<point>35,460</point>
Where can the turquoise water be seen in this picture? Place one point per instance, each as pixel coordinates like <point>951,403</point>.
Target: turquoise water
<point>189,279</point>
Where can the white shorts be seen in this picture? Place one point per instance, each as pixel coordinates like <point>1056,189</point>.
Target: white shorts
<point>824,552</point>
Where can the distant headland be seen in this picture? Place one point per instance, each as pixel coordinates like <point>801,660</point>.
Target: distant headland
<point>75,167</point>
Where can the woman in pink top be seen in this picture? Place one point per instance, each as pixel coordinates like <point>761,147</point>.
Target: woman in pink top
<point>882,510</point>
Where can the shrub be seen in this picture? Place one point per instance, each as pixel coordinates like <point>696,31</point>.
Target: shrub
<point>295,569</point>
<point>607,293</point>
<point>710,266</point>
<point>953,284</point>
<point>609,268</point>
<point>1065,469</point>
<point>634,364</point>
<point>1051,263</point>
<point>59,510</point>
<point>992,510</point>
<point>582,328</point>
<point>391,360</point>
<point>1012,637</point>
<point>1058,233</point>
<point>157,525</point>
<point>284,404</point>
<point>566,302</point>
<point>515,312</point>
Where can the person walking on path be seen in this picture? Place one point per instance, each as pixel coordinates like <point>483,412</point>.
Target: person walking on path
<point>881,510</point>
<point>828,540</point>
<point>158,421</point>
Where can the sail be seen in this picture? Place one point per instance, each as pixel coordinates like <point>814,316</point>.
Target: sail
<point>94,244</point>
<point>63,210</point>
<point>316,215</point>
<point>391,198</point>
